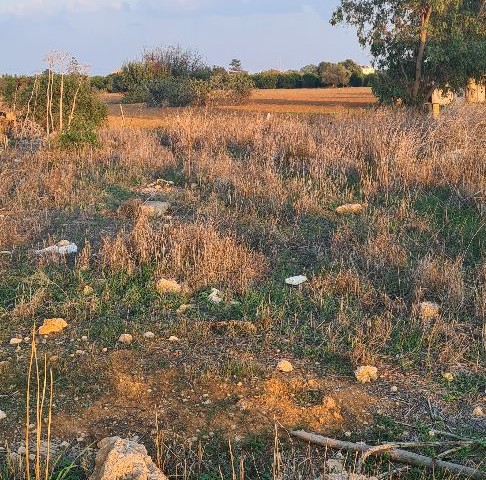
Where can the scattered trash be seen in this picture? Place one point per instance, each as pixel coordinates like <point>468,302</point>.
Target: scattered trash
<point>366,374</point>
<point>296,281</point>
<point>215,296</point>
<point>52,325</point>
<point>64,247</point>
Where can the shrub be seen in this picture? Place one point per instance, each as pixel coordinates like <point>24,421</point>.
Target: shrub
<point>171,91</point>
<point>76,109</point>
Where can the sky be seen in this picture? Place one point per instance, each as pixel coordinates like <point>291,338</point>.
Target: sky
<point>263,34</point>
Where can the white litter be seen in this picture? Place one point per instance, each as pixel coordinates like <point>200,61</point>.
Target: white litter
<point>64,247</point>
<point>215,296</point>
<point>295,281</point>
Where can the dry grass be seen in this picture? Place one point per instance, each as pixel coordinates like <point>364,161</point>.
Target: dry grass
<point>253,201</point>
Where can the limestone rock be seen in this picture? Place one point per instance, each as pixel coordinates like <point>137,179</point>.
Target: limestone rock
<point>448,376</point>
<point>149,335</point>
<point>52,325</point>
<point>478,412</point>
<point>351,208</point>
<point>366,374</point>
<point>125,338</point>
<point>154,208</point>
<point>15,341</point>
<point>296,281</point>
<point>428,310</point>
<point>168,286</point>
<point>173,339</point>
<point>124,459</point>
<point>3,415</point>
<point>284,366</point>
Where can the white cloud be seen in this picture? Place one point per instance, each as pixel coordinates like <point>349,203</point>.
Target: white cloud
<point>27,7</point>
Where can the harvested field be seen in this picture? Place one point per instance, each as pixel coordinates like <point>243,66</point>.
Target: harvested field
<point>326,101</point>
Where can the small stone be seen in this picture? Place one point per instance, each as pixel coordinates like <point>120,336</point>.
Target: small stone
<point>88,290</point>
<point>149,335</point>
<point>154,208</point>
<point>347,434</point>
<point>125,338</point>
<point>448,376</point>
<point>84,338</point>
<point>52,325</point>
<point>394,389</point>
<point>296,281</point>
<point>366,374</point>
<point>207,402</point>
<point>215,296</point>
<point>284,366</point>
<point>21,450</point>
<point>173,339</point>
<point>104,350</point>
<point>168,286</point>
<point>3,415</point>
<point>431,433</point>
<point>65,444</point>
<point>15,341</point>
<point>351,208</point>
<point>429,310</point>
<point>80,352</point>
<point>478,412</point>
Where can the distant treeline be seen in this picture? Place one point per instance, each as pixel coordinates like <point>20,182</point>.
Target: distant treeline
<point>325,74</point>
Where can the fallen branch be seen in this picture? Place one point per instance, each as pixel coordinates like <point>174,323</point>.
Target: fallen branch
<point>397,455</point>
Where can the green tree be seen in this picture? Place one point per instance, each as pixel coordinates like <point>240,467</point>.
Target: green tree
<point>419,45</point>
<point>235,66</point>
<point>334,74</point>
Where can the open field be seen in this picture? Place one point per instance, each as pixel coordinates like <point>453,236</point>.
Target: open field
<point>253,201</point>
<point>327,101</point>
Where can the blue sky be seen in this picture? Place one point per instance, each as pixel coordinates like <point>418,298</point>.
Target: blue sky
<point>104,33</point>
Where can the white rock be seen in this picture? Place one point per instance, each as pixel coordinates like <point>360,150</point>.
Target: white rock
<point>173,339</point>
<point>15,341</point>
<point>64,247</point>
<point>149,335</point>
<point>124,459</point>
<point>215,296</point>
<point>125,338</point>
<point>284,366</point>
<point>3,415</point>
<point>296,281</point>
<point>84,338</point>
<point>394,389</point>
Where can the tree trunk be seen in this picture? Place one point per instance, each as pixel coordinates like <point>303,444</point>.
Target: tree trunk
<point>424,24</point>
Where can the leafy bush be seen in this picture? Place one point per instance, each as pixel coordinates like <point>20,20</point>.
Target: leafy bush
<point>72,107</point>
<point>171,91</point>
